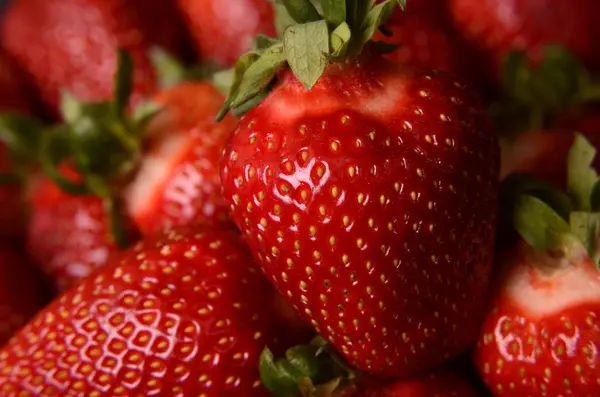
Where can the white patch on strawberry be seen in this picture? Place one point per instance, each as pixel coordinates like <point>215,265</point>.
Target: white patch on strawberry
<point>154,171</point>
<point>547,286</point>
<point>380,104</point>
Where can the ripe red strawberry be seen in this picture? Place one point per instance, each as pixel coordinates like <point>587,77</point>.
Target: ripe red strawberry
<point>177,181</point>
<point>224,30</point>
<point>21,293</point>
<point>177,316</point>
<point>171,178</point>
<point>499,26</point>
<point>369,200</point>
<point>542,334</point>
<point>70,44</point>
<point>67,235</point>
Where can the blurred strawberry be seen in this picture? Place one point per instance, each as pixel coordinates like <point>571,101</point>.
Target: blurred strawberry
<point>68,235</point>
<point>224,30</point>
<point>70,44</point>
<point>177,180</point>
<point>21,292</point>
<point>153,169</point>
<point>499,26</point>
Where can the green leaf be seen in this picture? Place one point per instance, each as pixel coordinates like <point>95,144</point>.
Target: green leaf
<point>70,107</point>
<point>538,223</point>
<point>516,184</point>
<point>22,135</point>
<point>586,226</point>
<point>279,377</point>
<point>263,42</point>
<point>259,75</point>
<point>581,176</point>
<point>306,49</point>
<point>123,84</point>
<point>340,39</point>
<point>283,20</point>
<point>143,114</point>
<point>169,69</point>
<point>301,11</point>
<point>375,18</point>
<point>334,11</point>
<point>401,4</point>
<point>240,69</point>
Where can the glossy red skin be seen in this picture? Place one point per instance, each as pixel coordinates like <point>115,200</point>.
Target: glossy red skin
<point>511,337</point>
<point>224,30</point>
<point>67,235</point>
<point>14,99</point>
<point>71,44</point>
<point>501,25</point>
<point>21,293</point>
<point>294,176</point>
<point>175,316</point>
<point>190,191</point>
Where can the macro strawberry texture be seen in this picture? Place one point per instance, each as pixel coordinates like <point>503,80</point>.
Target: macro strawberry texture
<point>299,198</point>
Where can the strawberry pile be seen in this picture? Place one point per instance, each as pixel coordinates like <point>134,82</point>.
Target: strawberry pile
<point>299,198</point>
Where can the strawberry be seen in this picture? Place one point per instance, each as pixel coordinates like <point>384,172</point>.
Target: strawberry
<point>542,334</point>
<point>164,173</point>
<point>21,293</point>
<point>235,23</point>
<point>68,235</point>
<point>313,370</point>
<point>177,315</point>
<point>177,181</point>
<point>367,192</point>
<point>70,44</point>
<point>528,25</point>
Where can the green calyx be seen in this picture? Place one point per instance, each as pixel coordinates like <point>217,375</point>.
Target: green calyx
<point>307,370</point>
<point>548,218</point>
<point>313,33</point>
<point>535,92</point>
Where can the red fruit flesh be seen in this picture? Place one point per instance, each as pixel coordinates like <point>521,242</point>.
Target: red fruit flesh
<point>175,316</point>
<point>178,180</point>
<point>21,293</point>
<point>68,236</point>
<point>502,25</point>
<point>224,30</point>
<point>542,336</point>
<point>370,201</point>
<point>71,44</point>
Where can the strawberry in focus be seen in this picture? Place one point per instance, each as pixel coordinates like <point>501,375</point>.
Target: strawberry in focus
<point>21,292</point>
<point>377,178</point>
<point>177,315</point>
<point>499,26</point>
<point>542,334</point>
<point>224,30</point>
<point>70,44</point>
